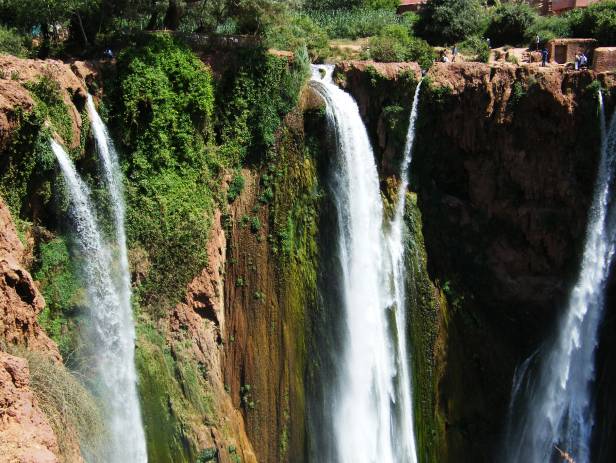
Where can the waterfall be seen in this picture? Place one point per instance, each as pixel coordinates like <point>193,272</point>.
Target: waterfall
<point>559,411</point>
<point>395,243</point>
<point>365,404</point>
<point>110,327</point>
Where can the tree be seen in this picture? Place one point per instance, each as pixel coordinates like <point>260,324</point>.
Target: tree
<point>450,21</point>
<point>48,15</point>
<point>597,21</point>
<point>510,23</point>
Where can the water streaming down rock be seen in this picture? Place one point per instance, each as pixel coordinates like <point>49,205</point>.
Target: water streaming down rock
<point>557,406</point>
<point>364,403</point>
<point>110,328</point>
<point>406,449</point>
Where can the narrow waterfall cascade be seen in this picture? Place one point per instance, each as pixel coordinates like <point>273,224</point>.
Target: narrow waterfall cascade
<point>558,413</point>
<point>406,450</point>
<point>372,419</point>
<point>110,328</point>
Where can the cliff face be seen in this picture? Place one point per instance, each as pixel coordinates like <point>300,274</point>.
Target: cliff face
<point>504,163</point>
<point>271,292</point>
<point>20,299</point>
<point>25,433</point>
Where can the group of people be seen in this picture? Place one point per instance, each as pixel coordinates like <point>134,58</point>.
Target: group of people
<point>581,61</point>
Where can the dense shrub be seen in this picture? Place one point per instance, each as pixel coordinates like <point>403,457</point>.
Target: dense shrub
<point>597,21</point>
<point>381,4</point>
<point>477,48</point>
<point>164,107</point>
<point>394,43</point>
<point>352,24</point>
<point>510,23</point>
<point>300,31</point>
<point>12,43</point>
<point>57,275</point>
<point>255,94</point>
<point>547,28</point>
<point>450,21</point>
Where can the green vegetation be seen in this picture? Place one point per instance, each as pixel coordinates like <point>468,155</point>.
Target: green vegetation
<point>597,21</point>
<point>424,323</point>
<point>26,169</point>
<point>235,187</point>
<point>395,43</point>
<point>510,23</point>
<point>352,24</point>
<point>257,93</point>
<point>56,273</point>
<point>476,48</point>
<point>165,410</point>
<point>13,43</point>
<point>164,105</point>
<point>450,21</point>
<point>300,31</point>
<point>50,106</point>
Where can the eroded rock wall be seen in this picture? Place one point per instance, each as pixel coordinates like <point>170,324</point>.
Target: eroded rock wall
<point>504,164</point>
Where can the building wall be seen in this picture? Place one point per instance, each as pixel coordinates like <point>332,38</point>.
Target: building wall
<point>604,59</point>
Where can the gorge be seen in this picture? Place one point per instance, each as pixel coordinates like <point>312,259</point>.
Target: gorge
<point>348,267</point>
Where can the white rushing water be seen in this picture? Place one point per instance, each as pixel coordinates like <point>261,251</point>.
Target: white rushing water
<point>559,412</point>
<point>365,405</point>
<point>110,327</point>
<point>406,449</point>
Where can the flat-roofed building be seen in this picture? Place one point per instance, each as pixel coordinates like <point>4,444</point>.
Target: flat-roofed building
<point>410,5</point>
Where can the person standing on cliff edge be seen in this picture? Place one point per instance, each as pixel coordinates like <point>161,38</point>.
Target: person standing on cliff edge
<point>537,40</point>
<point>544,56</point>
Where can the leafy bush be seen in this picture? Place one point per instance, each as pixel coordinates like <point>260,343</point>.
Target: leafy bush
<point>352,24</point>
<point>394,43</point>
<point>235,187</point>
<point>450,21</point>
<point>477,47</point>
<point>300,31</point>
<point>12,43</point>
<point>257,93</point>
<point>381,4</point>
<point>547,28</point>
<point>164,105</point>
<point>597,21</point>
<point>510,23</point>
<point>55,271</point>
<point>50,105</point>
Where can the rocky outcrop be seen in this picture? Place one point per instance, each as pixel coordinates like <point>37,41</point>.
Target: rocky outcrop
<point>200,319</point>
<point>25,433</point>
<point>504,167</point>
<point>16,72</point>
<point>384,94</point>
<point>20,299</point>
<point>504,163</point>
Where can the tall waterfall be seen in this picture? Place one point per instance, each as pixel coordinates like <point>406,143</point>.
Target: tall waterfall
<point>559,413</point>
<point>110,327</point>
<point>366,405</point>
<point>406,450</point>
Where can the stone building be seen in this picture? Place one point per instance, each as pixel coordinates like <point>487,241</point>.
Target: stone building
<point>547,7</point>
<point>410,5</point>
<point>604,59</point>
<point>563,50</point>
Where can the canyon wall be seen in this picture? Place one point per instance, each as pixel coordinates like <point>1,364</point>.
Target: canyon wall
<point>504,163</point>
<point>502,174</point>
